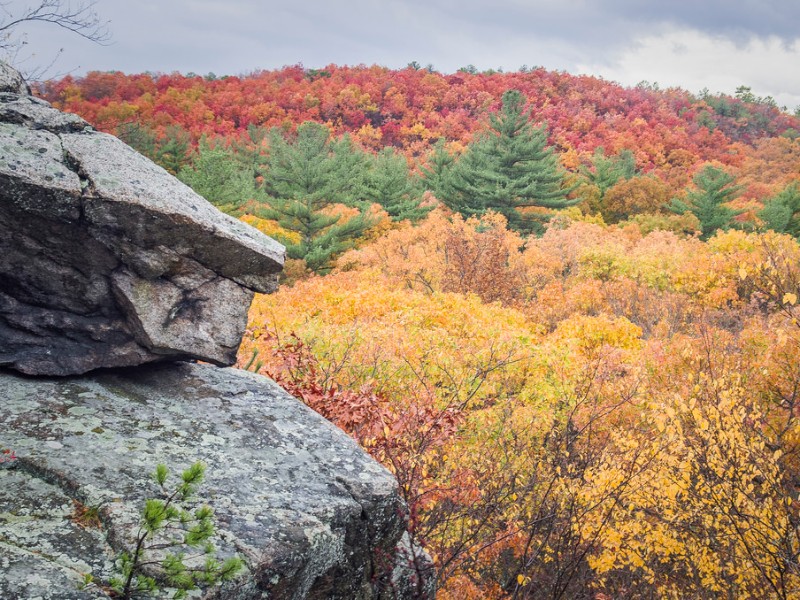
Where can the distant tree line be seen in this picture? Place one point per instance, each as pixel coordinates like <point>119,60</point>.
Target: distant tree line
<point>319,189</point>
<point>298,180</point>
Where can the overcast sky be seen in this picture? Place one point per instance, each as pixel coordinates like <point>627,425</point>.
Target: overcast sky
<point>694,44</point>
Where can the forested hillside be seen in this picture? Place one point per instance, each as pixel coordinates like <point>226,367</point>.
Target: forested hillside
<point>562,312</point>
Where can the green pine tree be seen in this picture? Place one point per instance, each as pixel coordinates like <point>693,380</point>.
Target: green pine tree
<point>349,167</point>
<point>390,184</point>
<point>172,150</point>
<point>172,543</point>
<point>306,176</point>
<point>508,168</point>
<point>714,188</point>
<point>312,167</point>
<point>322,236</point>
<point>782,212</point>
<point>435,175</point>
<point>608,170</point>
<point>140,138</point>
<point>250,150</point>
<point>218,176</point>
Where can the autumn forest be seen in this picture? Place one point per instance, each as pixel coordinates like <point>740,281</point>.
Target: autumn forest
<point>562,312</point>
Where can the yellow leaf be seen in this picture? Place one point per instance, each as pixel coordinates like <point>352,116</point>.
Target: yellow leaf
<point>742,273</point>
<point>789,298</point>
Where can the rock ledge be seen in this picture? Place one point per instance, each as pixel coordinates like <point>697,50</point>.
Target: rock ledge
<point>313,515</point>
<point>106,260</point>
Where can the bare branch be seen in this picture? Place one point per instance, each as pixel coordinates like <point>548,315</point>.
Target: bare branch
<point>80,18</point>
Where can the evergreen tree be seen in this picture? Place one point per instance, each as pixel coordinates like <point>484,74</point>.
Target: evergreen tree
<point>436,174</point>
<point>391,185</point>
<point>714,188</point>
<point>313,168</point>
<point>250,151</point>
<point>508,168</point>
<point>169,542</point>
<point>140,138</point>
<point>349,167</point>
<point>172,151</point>
<point>305,178</point>
<point>608,170</point>
<point>782,212</point>
<point>602,175</point>
<point>322,235</point>
<point>218,176</point>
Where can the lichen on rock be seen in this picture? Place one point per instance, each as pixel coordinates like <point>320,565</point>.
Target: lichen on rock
<point>311,513</point>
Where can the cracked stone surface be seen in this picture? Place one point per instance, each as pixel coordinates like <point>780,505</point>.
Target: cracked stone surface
<point>106,260</point>
<point>41,548</point>
<point>311,513</point>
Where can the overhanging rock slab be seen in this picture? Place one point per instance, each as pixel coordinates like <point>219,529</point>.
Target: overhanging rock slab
<point>100,247</point>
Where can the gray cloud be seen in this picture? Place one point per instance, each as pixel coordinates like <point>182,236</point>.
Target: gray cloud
<point>739,20</point>
<point>600,19</point>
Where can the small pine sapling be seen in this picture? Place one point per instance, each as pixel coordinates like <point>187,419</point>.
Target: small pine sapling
<point>167,534</point>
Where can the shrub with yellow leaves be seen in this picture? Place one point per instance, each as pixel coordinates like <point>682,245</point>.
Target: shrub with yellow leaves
<point>596,413</point>
<point>706,507</point>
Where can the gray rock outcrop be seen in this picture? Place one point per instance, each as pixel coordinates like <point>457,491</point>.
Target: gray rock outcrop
<point>311,513</point>
<point>106,260</point>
